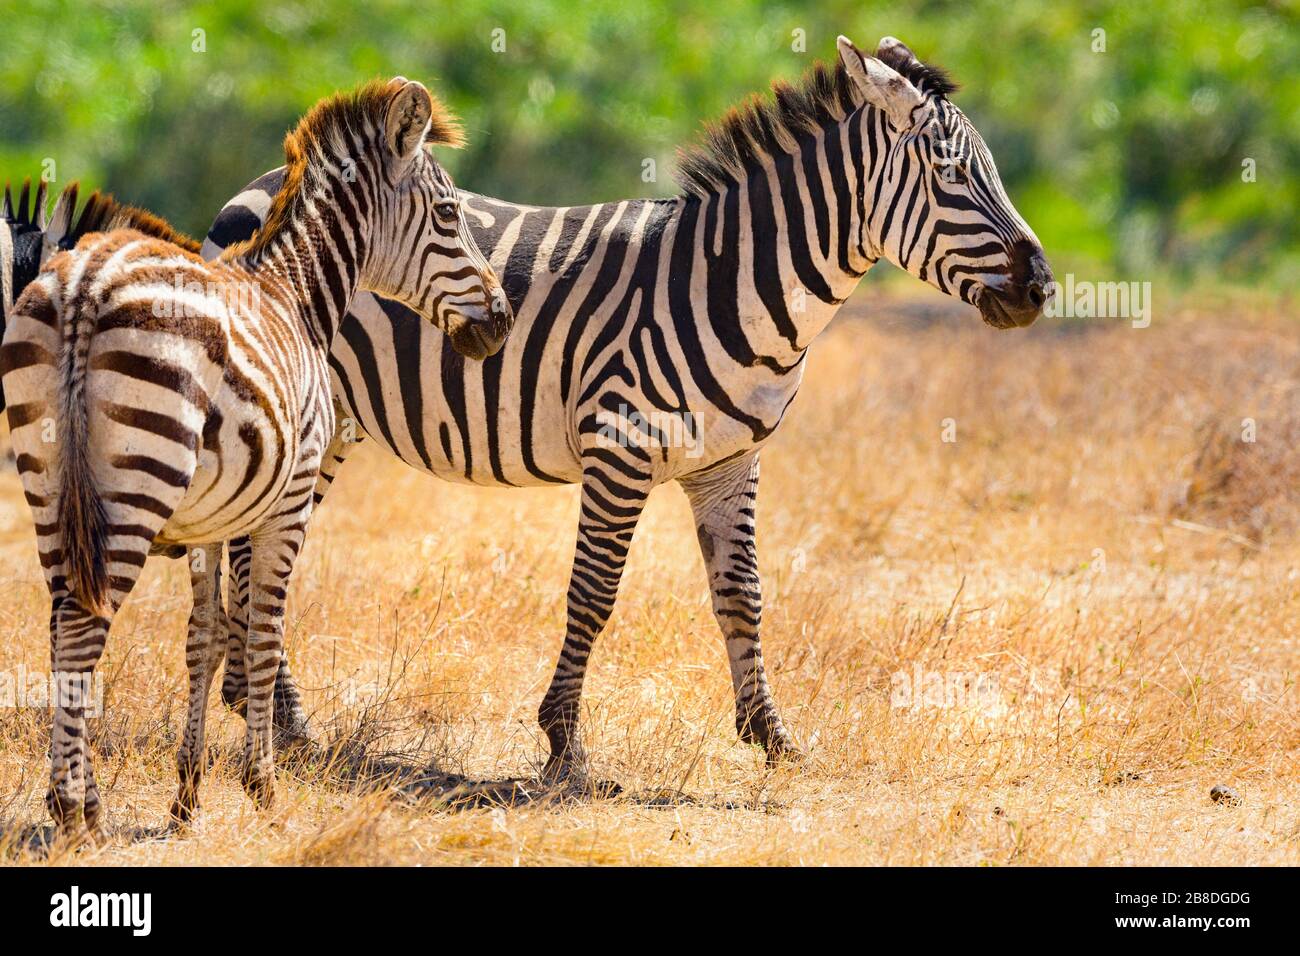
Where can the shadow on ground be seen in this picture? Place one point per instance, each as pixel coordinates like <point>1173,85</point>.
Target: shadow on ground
<point>353,763</point>
<point>349,768</point>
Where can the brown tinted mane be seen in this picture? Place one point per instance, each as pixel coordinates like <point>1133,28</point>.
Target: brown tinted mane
<point>103,213</point>
<point>335,119</point>
<point>761,126</point>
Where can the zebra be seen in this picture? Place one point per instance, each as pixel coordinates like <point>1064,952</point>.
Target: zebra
<point>191,401</point>
<point>665,339</point>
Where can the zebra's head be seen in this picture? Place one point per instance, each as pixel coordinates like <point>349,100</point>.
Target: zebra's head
<point>946,219</point>
<point>422,253</point>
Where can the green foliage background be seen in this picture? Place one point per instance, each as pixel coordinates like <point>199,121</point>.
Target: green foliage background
<point>1128,160</point>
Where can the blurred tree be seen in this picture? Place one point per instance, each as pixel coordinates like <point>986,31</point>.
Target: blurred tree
<point>1162,135</point>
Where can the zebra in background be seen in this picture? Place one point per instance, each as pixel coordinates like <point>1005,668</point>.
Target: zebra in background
<point>192,400</point>
<point>28,239</point>
<point>22,234</point>
<point>22,246</point>
<point>661,340</point>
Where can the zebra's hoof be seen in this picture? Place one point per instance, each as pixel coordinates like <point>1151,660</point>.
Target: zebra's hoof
<point>178,820</point>
<point>79,837</point>
<point>260,787</point>
<point>291,740</point>
<point>236,700</point>
<point>784,753</point>
<point>569,779</point>
<point>99,835</point>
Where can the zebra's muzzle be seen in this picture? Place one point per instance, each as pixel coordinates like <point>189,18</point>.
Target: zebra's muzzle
<point>1019,298</point>
<point>480,333</point>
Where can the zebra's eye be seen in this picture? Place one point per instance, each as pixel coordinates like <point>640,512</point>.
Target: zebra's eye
<point>953,174</point>
<point>447,208</point>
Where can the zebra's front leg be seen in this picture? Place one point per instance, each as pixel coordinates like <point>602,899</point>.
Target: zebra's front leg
<point>723,502</point>
<point>615,485</point>
<point>293,730</point>
<point>234,684</point>
<point>203,645</point>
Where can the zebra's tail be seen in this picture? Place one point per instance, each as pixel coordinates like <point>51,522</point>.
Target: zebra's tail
<point>83,524</point>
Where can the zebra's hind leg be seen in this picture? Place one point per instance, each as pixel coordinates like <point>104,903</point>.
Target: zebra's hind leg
<point>723,502</point>
<point>293,730</point>
<point>77,643</point>
<point>615,485</point>
<point>274,554</point>
<point>203,647</point>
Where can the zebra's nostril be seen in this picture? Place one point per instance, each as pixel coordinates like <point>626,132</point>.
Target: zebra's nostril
<point>1037,296</point>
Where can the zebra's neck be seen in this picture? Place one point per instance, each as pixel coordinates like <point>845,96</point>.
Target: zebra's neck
<point>787,245</point>
<point>318,254</point>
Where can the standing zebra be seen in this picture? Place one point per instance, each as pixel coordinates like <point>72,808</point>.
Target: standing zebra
<point>192,400</point>
<point>665,339</point>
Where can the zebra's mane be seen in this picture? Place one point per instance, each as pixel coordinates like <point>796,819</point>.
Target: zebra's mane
<point>761,127</point>
<point>329,132</point>
<point>19,215</point>
<point>101,213</point>
<point>933,81</point>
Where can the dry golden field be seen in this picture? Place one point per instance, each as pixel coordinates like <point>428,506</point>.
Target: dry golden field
<point>1095,586</point>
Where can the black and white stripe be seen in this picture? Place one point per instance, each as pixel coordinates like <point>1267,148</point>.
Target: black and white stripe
<point>192,402</point>
<point>661,340</point>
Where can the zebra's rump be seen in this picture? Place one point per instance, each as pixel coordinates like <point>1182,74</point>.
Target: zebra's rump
<point>181,379</point>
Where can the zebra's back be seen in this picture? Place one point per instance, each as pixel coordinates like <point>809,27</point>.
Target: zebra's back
<point>603,333</point>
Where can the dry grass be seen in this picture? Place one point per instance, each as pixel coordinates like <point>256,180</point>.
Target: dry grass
<point>1104,582</point>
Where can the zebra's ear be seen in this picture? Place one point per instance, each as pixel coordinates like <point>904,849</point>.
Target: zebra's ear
<point>882,86</point>
<point>408,119</point>
<point>60,221</point>
<point>895,53</point>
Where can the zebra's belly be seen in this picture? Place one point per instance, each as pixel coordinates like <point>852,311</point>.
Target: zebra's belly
<point>511,449</point>
<point>467,457</point>
<point>511,421</point>
<point>212,510</point>
<point>469,441</point>
<point>196,523</point>
<point>683,445</point>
